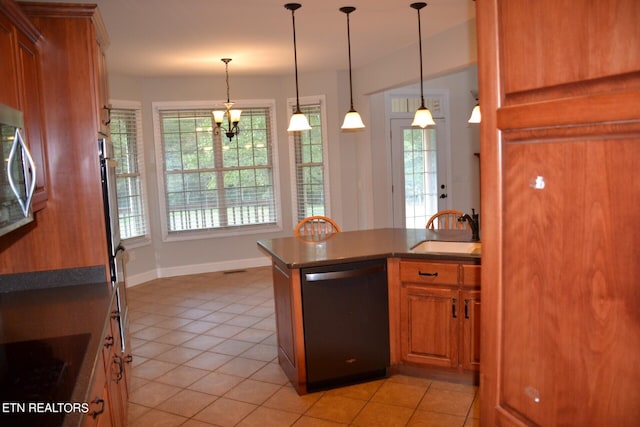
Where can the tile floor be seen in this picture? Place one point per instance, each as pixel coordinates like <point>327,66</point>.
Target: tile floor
<point>204,355</point>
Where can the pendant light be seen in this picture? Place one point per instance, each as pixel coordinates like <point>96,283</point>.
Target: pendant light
<point>352,119</point>
<point>298,120</point>
<point>475,113</point>
<point>233,116</point>
<point>423,116</point>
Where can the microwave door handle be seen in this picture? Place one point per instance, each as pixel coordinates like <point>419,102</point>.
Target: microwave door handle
<point>18,142</point>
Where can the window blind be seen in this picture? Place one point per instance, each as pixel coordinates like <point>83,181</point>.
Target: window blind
<point>212,182</point>
<point>125,128</point>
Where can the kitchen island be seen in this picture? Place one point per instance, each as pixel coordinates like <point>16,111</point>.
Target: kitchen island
<point>432,299</point>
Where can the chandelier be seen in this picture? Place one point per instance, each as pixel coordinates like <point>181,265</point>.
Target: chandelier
<point>232,115</point>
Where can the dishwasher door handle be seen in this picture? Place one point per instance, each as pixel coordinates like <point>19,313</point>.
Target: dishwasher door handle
<point>345,274</point>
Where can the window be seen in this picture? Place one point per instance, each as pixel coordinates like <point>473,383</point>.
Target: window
<point>211,182</point>
<point>309,163</point>
<point>126,135</point>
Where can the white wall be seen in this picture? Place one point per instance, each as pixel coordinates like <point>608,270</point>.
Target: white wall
<point>359,172</point>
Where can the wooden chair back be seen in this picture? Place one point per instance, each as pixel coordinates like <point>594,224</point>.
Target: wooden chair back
<point>317,226</point>
<point>447,220</point>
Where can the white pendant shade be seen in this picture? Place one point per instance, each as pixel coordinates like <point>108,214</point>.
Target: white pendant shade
<point>352,120</point>
<point>298,122</point>
<point>475,115</point>
<point>423,118</point>
<point>218,116</point>
<point>235,115</point>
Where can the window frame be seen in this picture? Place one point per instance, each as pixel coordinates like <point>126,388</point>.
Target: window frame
<point>304,101</point>
<point>145,239</point>
<point>160,177</point>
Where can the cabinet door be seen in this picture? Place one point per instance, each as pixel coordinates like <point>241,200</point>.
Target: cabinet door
<point>31,106</point>
<point>99,414</point>
<point>470,338</point>
<point>429,325</point>
<point>8,75</point>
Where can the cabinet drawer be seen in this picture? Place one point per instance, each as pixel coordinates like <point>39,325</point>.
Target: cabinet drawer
<point>471,275</point>
<point>429,272</point>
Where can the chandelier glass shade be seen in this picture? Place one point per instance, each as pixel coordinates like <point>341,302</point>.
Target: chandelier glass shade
<point>232,115</point>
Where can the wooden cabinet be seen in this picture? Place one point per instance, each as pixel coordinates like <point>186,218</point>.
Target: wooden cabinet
<point>109,391</point>
<point>288,308</point>
<point>560,144</point>
<point>70,232</point>
<point>20,85</point>
<point>439,308</point>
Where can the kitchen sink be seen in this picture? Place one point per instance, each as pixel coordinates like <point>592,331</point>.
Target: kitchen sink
<point>438,246</point>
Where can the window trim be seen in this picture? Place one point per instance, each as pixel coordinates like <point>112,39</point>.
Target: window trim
<point>118,104</point>
<point>310,100</point>
<point>162,202</point>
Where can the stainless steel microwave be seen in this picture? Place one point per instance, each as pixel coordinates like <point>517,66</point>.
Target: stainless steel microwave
<point>18,174</point>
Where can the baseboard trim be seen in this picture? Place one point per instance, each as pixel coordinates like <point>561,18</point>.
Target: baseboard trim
<point>183,270</point>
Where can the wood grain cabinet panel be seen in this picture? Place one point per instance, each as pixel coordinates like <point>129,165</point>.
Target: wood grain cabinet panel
<point>439,314</point>
<point>560,144</point>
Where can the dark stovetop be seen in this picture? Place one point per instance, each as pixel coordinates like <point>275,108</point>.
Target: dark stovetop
<point>39,371</point>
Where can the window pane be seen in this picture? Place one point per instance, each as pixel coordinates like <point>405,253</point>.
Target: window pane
<point>125,135</point>
<point>205,190</point>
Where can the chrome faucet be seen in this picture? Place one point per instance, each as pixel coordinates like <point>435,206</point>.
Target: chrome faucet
<point>474,223</point>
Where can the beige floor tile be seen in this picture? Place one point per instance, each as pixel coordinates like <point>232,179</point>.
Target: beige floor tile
<point>435,419</point>
<point>267,417</point>
<point>152,394</point>
<point>225,331</point>
<point>306,421</point>
<point>209,360</point>
<point>241,367</point>
<point>396,393</point>
<point>287,399</point>
<point>197,326</point>
<point>382,415</point>
<point>158,418</point>
<point>187,403</point>
<point>151,349</point>
<point>243,320</point>
<point>336,408</point>
<point>195,423</point>
<point>215,383</point>
<point>262,352</point>
<point>182,376</point>
<point>461,388</point>
<point>175,337</point>
<point>178,354</point>
<point>203,342</point>
<point>405,379</point>
<point>152,369</point>
<point>232,347</point>
<point>475,408</point>
<point>225,412</point>
<point>472,422</point>
<point>173,323</point>
<point>150,333</point>
<point>446,402</point>
<point>362,391</point>
<point>134,411</point>
<point>253,335</point>
<point>252,391</point>
<point>271,373</point>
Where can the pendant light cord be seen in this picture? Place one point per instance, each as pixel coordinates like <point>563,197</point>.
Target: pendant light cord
<point>349,49</point>
<point>292,7</point>
<point>418,6</point>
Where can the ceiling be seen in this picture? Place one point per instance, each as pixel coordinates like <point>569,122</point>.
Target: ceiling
<point>155,38</point>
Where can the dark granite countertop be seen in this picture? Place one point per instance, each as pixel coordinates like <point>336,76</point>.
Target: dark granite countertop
<point>349,246</point>
<point>64,321</point>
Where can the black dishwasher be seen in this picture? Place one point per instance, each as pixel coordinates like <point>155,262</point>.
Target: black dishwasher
<point>346,323</point>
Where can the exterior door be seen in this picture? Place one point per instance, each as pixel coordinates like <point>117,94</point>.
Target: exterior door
<point>560,153</point>
<point>419,163</point>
